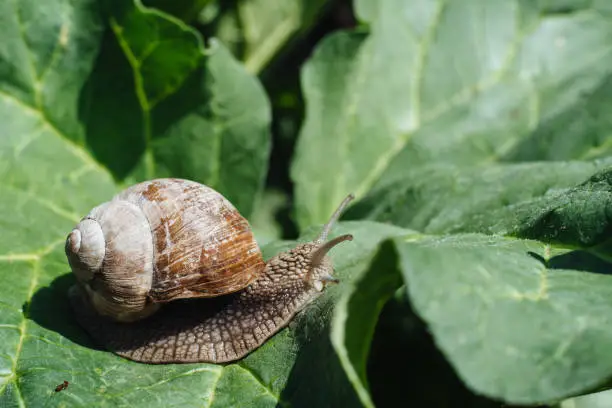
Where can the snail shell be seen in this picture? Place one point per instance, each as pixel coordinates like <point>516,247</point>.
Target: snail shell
<point>159,241</point>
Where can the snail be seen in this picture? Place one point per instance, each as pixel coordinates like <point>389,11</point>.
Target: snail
<point>168,271</point>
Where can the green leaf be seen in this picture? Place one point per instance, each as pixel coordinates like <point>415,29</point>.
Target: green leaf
<point>500,285</point>
<point>269,24</point>
<point>366,10</point>
<point>356,315</point>
<point>259,29</point>
<point>545,208</point>
<point>185,111</point>
<point>598,400</point>
<point>577,217</point>
<point>500,199</point>
<point>510,315</point>
<point>376,365</point>
<point>39,117</point>
<point>263,219</point>
<point>463,83</point>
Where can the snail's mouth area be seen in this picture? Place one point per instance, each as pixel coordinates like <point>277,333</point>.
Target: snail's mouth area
<point>323,275</point>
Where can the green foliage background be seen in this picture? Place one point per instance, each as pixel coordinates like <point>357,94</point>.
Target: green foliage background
<point>475,134</point>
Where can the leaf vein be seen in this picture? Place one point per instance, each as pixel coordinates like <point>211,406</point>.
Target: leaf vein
<point>141,95</point>
<point>261,383</point>
<point>462,97</point>
<point>342,129</point>
<point>166,380</point>
<point>58,46</point>
<point>33,75</point>
<point>62,212</point>
<point>23,326</point>
<point>33,256</point>
<point>214,389</point>
<point>416,97</point>
<point>75,149</point>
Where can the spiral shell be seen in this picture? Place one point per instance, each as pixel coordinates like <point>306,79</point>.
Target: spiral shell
<point>158,241</point>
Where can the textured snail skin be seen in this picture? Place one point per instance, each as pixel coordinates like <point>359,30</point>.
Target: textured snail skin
<point>214,330</point>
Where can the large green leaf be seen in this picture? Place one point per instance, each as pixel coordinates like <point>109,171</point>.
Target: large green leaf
<point>472,280</point>
<point>44,175</point>
<point>177,108</point>
<point>497,200</point>
<point>461,281</point>
<point>428,147</point>
<point>463,83</point>
<point>491,199</point>
<point>511,316</point>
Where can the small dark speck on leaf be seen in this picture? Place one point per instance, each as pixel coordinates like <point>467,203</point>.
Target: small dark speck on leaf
<point>62,386</point>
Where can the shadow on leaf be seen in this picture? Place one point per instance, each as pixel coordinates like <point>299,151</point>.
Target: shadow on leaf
<point>115,122</point>
<point>50,308</point>
<point>405,364</point>
<point>577,260</point>
<point>581,261</point>
<point>316,360</point>
<point>109,109</point>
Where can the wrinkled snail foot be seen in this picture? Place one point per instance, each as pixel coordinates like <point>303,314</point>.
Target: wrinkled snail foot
<point>175,335</point>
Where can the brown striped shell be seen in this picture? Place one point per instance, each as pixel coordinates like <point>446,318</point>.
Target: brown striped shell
<point>158,241</point>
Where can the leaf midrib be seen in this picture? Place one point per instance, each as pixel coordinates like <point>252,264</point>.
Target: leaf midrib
<point>462,97</point>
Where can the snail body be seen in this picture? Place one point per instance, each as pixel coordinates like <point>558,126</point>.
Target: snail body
<point>168,271</point>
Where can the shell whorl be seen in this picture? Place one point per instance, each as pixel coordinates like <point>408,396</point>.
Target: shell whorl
<point>85,248</point>
<point>116,241</point>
